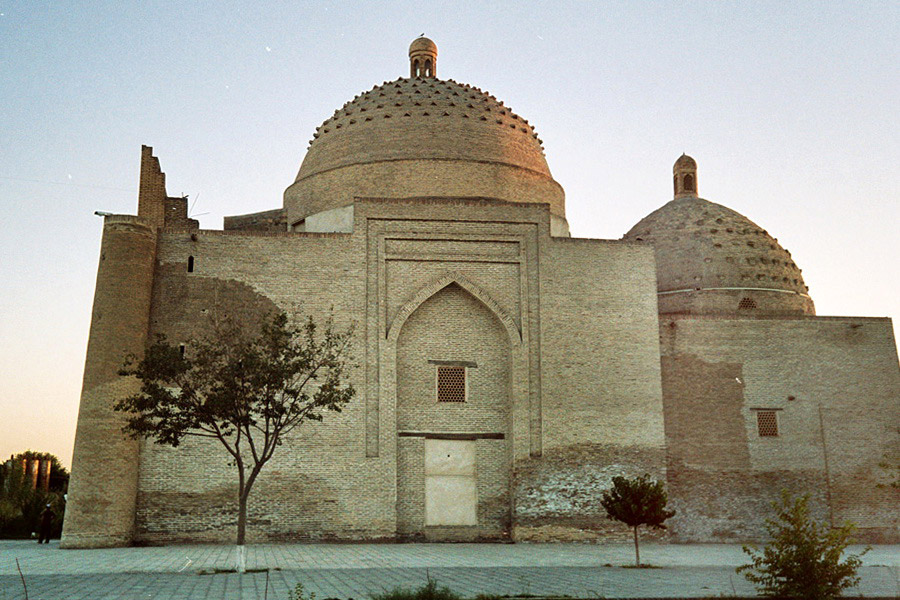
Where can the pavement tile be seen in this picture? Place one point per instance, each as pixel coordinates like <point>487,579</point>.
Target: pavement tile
<point>360,570</point>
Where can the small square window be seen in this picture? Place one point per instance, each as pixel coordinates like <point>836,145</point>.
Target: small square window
<point>451,384</point>
<point>767,423</point>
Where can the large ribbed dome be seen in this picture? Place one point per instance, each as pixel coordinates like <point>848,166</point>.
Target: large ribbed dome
<point>713,260</point>
<point>434,119</point>
<point>422,136</point>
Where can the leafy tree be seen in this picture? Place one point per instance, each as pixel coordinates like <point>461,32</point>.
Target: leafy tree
<point>21,504</point>
<point>247,387</point>
<point>637,501</point>
<point>803,560</point>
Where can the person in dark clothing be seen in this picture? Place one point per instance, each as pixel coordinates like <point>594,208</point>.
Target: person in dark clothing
<point>46,525</point>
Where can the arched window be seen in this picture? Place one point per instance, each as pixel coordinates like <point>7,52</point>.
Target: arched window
<point>428,68</point>
<point>416,72</point>
<point>689,183</point>
<point>675,183</point>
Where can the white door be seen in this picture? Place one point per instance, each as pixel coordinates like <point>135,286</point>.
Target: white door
<point>450,494</point>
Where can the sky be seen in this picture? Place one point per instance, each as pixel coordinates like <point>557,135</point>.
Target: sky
<point>790,110</point>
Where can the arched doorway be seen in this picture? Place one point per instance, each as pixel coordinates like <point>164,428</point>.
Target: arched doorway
<point>453,416</point>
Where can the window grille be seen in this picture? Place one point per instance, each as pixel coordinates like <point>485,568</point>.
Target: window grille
<point>451,384</point>
<point>747,303</point>
<point>767,423</point>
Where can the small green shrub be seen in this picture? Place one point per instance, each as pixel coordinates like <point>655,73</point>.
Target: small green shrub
<point>803,560</point>
<point>297,593</point>
<point>429,591</point>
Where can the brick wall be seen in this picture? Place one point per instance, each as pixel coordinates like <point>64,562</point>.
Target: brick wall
<point>566,341</point>
<point>269,220</point>
<point>102,488</point>
<point>420,178</point>
<point>152,189</point>
<point>423,280</point>
<point>834,384</point>
<point>311,488</point>
<point>601,401</point>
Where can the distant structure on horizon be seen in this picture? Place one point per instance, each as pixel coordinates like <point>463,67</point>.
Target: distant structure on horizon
<point>508,371</point>
<point>35,471</point>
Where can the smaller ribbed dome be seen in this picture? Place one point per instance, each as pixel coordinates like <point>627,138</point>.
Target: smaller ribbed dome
<point>713,260</point>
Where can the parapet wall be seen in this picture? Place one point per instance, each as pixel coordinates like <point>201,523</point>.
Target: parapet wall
<point>269,220</point>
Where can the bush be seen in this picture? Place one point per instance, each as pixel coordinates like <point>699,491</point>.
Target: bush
<point>429,591</point>
<point>803,560</point>
<point>297,593</point>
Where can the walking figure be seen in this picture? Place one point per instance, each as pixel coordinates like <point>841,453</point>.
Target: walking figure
<point>46,524</point>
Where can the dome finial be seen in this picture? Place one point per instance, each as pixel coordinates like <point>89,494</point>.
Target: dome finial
<point>422,57</point>
<point>685,177</point>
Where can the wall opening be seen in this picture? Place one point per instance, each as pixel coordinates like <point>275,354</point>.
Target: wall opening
<point>190,265</point>
<point>747,304</point>
<point>689,183</point>
<point>767,423</point>
<point>453,374</point>
<point>451,384</point>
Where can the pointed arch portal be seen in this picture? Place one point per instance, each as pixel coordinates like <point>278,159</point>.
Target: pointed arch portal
<point>463,483</point>
<point>438,284</point>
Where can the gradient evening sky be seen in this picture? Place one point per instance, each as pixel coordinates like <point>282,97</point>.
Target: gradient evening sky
<point>789,108</point>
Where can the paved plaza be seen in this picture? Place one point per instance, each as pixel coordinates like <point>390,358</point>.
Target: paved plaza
<point>359,570</point>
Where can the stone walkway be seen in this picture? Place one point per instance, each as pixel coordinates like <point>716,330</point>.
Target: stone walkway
<point>359,570</point>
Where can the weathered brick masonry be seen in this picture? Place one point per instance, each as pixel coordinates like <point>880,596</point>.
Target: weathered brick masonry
<point>425,214</point>
<point>833,382</point>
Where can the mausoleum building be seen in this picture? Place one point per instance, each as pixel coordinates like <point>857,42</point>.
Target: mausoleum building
<point>507,371</point>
